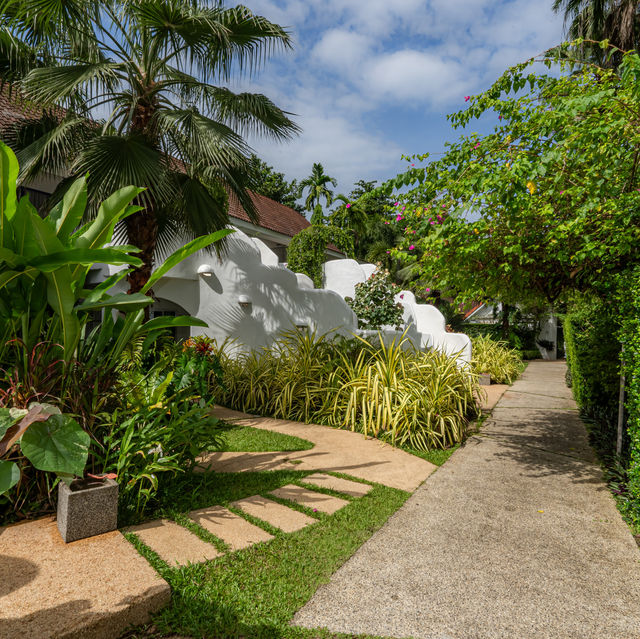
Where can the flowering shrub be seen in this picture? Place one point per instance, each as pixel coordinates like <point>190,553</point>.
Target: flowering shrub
<point>374,302</point>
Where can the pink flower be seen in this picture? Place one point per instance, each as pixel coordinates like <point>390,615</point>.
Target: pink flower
<point>399,217</point>
<point>396,204</point>
<point>404,207</point>
<point>499,117</point>
<point>413,232</point>
<point>348,205</point>
<point>428,290</point>
<point>402,296</point>
<point>477,146</point>
<point>386,222</point>
<point>411,247</point>
<point>439,218</point>
<point>413,165</point>
<point>467,98</point>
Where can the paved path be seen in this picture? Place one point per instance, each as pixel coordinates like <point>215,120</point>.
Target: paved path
<point>515,537</point>
<point>334,450</point>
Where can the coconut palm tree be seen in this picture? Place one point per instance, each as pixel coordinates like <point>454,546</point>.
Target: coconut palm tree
<point>133,93</point>
<point>317,184</point>
<point>615,20</point>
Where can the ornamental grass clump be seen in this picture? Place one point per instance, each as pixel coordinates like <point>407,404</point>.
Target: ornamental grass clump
<point>504,364</point>
<point>411,398</point>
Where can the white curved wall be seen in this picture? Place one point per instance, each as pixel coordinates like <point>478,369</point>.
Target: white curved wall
<point>426,324</point>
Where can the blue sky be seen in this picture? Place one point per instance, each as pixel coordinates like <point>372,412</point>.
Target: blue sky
<point>371,80</point>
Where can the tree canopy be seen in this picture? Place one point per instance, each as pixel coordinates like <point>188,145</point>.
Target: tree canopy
<point>317,185</point>
<point>547,203</point>
<point>273,184</point>
<point>156,69</point>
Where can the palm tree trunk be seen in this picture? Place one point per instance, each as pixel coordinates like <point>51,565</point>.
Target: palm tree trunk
<point>142,231</point>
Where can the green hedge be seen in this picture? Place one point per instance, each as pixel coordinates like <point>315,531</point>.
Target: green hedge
<point>629,302</point>
<point>593,356</point>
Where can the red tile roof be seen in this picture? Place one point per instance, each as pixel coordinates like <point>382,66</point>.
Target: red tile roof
<point>273,215</point>
<point>15,108</point>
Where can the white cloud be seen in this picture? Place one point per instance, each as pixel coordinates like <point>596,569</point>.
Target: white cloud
<point>357,60</point>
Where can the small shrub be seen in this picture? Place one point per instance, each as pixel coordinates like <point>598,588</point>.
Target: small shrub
<point>496,358</point>
<point>374,303</point>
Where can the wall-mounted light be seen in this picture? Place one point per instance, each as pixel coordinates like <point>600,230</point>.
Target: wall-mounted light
<point>206,270</point>
<point>302,328</point>
<point>244,301</point>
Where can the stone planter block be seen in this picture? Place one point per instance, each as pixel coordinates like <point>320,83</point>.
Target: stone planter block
<point>484,379</point>
<point>87,508</point>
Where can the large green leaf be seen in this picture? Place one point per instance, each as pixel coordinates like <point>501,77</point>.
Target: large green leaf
<point>111,211</point>
<point>24,239</point>
<point>116,256</point>
<point>8,276</point>
<point>9,476</point>
<point>182,253</point>
<point>67,215</point>
<point>7,420</point>
<point>58,445</point>
<point>8,178</point>
<point>121,302</point>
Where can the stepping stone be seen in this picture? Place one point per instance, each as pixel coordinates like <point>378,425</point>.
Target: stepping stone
<point>174,543</point>
<point>310,498</point>
<point>352,488</point>
<point>279,516</point>
<point>231,528</point>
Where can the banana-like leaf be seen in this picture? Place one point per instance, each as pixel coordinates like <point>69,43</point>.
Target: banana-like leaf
<point>8,276</point>
<point>182,253</point>
<point>9,476</point>
<point>8,179</point>
<point>112,210</point>
<point>24,240</point>
<point>116,256</point>
<point>9,258</point>
<point>96,293</point>
<point>171,322</point>
<point>60,292</point>
<point>121,302</point>
<point>66,215</point>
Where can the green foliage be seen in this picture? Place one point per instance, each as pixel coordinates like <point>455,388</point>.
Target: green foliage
<point>593,356</point>
<point>414,399</point>
<point>547,203</point>
<point>273,184</point>
<point>140,445</point>
<point>374,303</point>
<point>629,301</point>
<point>306,252</point>
<point>504,364</point>
<point>196,365</point>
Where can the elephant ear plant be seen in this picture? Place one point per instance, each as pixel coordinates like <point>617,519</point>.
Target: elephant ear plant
<point>52,442</point>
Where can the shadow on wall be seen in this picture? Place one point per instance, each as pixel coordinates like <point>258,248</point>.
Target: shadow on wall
<point>252,299</point>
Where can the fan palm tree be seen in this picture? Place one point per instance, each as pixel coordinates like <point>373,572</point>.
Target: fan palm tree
<point>152,71</point>
<point>317,184</point>
<point>615,20</point>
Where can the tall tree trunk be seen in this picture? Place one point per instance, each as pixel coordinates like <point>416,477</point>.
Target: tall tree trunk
<point>142,231</point>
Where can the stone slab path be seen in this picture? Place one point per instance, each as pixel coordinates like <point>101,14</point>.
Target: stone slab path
<point>334,450</point>
<point>516,536</point>
<point>235,531</point>
<point>177,545</point>
<point>93,588</point>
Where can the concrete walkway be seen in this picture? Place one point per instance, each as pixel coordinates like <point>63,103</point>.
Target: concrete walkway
<point>515,537</point>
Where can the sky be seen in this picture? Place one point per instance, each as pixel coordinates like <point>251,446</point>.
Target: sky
<point>372,80</point>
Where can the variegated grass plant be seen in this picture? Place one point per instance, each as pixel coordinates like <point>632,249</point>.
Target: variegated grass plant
<point>504,364</point>
<point>411,398</point>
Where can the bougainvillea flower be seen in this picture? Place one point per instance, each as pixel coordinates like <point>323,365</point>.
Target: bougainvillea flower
<point>428,290</point>
<point>477,146</point>
<point>348,205</point>
<point>411,247</point>
<point>467,98</point>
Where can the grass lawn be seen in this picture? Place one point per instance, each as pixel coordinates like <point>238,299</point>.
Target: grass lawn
<point>246,439</point>
<point>254,593</point>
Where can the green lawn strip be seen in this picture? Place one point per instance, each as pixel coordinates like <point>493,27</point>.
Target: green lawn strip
<point>437,457</point>
<point>260,523</point>
<point>326,491</point>
<point>254,593</point>
<point>199,531</point>
<point>245,439</point>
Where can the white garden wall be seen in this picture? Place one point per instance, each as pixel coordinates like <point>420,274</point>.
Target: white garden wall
<point>247,296</point>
